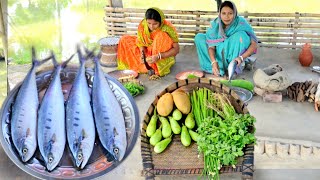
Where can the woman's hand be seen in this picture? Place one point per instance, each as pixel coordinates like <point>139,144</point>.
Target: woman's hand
<point>239,60</point>
<point>215,68</point>
<point>153,59</point>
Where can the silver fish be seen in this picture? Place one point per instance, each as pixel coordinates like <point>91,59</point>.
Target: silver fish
<point>24,113</point>
<point>80,123</point>
<point>108,115</point>
<point>231,69</point>
<point>51,120</point>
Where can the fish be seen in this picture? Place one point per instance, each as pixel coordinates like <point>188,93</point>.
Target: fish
<point>51,119</point>
<point>108,115</point>
<point>79,117</point>
<point>231,69</point>
<point>24,113</point>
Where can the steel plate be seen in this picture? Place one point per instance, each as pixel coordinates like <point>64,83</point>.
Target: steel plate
<point>123,74</point>
<point>99,162</point>
<point>184,74</point>
<point>244,94</point>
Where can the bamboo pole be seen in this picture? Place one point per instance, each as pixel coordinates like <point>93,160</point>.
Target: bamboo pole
<point>213,13</point>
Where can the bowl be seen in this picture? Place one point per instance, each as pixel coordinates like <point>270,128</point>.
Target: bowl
<point>100,162</point>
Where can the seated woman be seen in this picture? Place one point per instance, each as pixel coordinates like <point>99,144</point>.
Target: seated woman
<point>229,37</point>
<point>157,39</point>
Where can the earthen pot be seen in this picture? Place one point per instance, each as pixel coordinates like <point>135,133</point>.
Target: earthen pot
<point>306,57</point>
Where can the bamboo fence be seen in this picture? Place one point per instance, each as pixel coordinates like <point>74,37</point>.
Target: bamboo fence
<point>280,30</point>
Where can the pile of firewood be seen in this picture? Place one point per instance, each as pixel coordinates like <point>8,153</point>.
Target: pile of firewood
<point>302,91</point>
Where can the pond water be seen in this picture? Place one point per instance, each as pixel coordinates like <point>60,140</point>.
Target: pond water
<point>53,25</point>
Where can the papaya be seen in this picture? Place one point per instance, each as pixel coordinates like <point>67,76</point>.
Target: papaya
<point>165,104</point>
<point>182,101</point>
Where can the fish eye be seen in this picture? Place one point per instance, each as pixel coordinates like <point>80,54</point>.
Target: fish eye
<point>50,159</point>
<point>116,150</point>
<point>79,156</point>
<point>24,150</point>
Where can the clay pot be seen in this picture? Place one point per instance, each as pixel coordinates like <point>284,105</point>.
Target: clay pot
<point>306,57</point>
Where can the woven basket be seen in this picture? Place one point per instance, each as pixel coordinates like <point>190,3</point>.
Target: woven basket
<point>109,49</point>
<point>180,160</point>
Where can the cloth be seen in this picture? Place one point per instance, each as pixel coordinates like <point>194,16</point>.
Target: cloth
<point>160,40</point>
<point>231,42</point>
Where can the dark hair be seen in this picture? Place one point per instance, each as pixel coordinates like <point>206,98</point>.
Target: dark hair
<point>153,14</point>
<point>226,3</point>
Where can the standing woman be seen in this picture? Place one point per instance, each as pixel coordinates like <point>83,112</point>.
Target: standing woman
<point>157,38</point>
<point>228,38</point>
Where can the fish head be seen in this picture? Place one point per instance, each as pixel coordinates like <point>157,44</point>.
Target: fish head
<point>51,161</point>
<point>27,150</point>
<point>79,158</point>
<point>231,69</point>
<point>118,151</point>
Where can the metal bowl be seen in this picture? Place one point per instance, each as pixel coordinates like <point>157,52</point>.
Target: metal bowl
<point>99,163</point>
<point>244,94</point>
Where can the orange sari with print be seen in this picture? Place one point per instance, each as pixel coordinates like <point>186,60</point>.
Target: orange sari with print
<point>160,40</point>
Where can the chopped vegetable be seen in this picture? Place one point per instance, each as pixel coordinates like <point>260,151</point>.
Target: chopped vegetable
<point>190,76</point>
<point>134,88</point>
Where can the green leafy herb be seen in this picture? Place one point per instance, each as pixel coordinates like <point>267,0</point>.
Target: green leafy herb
<point>134,88</point>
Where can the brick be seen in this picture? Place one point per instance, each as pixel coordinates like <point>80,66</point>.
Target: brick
<point>259,91</point>
<point>272,97</point>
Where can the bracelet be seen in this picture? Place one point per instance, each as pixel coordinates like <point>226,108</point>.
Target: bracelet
<point>213,62</point>
<point>241,58</point>
<point>159,55</point>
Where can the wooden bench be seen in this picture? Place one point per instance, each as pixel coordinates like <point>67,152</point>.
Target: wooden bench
<point>281,30</point>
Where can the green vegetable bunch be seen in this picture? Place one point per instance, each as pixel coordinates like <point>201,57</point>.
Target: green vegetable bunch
<point>134,88</point>
<point>223,140</point>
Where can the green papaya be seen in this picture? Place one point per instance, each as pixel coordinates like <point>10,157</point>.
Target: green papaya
<point>156,137</point>
<point>190,122</point>
<point>152,126</point>
<point>166,128</point>
<point>185,136</point>
<point>194,135</point>
<point>162,145</point>
<point>176,128</point>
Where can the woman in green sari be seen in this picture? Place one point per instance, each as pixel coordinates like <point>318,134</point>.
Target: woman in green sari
<point>229,37</point>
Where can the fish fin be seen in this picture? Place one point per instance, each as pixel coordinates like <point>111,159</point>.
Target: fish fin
<point>28,132</point>
<point>54,137</point>
<point>83,134</point>
<point>115,132</point>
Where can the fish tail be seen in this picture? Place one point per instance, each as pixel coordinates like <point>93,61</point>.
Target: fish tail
<point>35,61</point>
<point>97,57</point>
<point>54,60</point>
<point>64,64</point>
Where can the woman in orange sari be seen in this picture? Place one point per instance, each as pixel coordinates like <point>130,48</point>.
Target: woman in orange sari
<point>157,39</point>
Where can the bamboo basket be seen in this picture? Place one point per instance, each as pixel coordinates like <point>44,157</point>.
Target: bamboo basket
<point>180,160</point>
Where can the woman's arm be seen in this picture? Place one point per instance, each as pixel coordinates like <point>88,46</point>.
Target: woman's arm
<point>172,52</point>
<point>214,63</point>
<point>251,49</point>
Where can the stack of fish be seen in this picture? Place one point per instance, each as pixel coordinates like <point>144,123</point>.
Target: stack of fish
<point>51,124</point>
